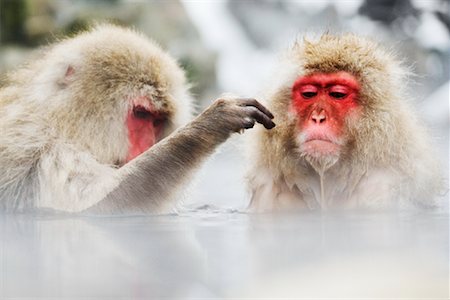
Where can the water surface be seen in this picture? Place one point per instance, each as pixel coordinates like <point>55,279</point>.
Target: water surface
<point>206,253</point>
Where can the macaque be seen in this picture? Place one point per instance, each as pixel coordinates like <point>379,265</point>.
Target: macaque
<point>100,123</point>
<point>346,133</point>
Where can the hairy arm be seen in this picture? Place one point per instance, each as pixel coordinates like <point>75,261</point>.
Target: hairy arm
<point>146,183</point>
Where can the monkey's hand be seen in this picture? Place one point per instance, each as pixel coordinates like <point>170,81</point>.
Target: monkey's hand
<point>230,115</point>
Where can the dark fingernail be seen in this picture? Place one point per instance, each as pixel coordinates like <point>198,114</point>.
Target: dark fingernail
<point>270,125</point>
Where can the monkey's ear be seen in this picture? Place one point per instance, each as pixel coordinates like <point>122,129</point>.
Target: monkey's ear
<point>65,81</point>
<point>70,71</point>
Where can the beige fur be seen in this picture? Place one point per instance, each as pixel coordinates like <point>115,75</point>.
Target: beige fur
<point>388,159</point>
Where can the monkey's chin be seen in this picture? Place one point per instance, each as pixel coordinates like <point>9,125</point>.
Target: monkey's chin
<point>320,154</point>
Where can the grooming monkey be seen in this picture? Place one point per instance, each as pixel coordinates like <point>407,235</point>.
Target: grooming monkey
<point>346,134</point>
<point>87,127</point>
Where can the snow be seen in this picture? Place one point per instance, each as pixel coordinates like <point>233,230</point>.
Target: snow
<point>432,34</point>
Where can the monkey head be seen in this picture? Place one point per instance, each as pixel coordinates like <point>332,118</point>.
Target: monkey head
<point>107,78</point>
<point>338,99</point>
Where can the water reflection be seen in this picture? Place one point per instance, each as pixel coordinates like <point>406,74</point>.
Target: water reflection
<point>225,254</point>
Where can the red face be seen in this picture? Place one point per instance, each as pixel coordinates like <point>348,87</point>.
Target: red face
<point>322,101</point>
<point>145,127</point>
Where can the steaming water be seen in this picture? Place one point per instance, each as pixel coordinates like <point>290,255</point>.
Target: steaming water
<point>226,254</point>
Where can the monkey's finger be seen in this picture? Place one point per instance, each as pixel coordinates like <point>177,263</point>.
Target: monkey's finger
<point>248,123</point>
<point>255,103</point>
<point>260,117</point>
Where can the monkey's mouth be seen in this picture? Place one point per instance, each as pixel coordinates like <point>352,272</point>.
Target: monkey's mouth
<point>319,139</point>
<point>319,145</point>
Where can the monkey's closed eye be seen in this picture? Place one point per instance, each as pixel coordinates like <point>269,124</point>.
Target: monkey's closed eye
<point>141,113</point>
<point>338,95</point>
<point>308,95</point>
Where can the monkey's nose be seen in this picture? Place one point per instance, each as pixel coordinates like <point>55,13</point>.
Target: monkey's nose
<point>318,117</point>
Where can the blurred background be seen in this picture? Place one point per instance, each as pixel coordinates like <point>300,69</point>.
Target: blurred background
<point>232,45</point>
<point>211,250</point>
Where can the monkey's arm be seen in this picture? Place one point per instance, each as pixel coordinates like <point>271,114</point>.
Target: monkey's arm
<point>147,182</point>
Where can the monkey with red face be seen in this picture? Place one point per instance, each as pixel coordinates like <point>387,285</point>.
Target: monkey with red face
<point>90,127</point>
<point>346,134</point>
